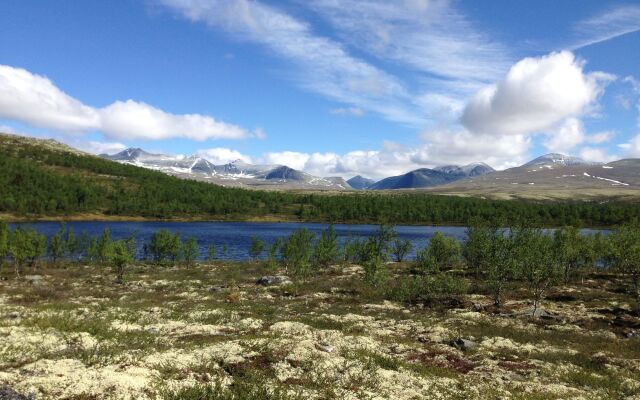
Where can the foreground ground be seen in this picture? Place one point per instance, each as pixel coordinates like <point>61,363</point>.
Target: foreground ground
<point>210,332</point>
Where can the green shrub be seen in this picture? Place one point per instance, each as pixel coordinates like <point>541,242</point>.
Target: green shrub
<point>164,246</point>
<point>327,249</point>
<point>401,248</point>
<point>415,289</point>
<point>297,252</point>
<point>190,250</point>
<point>257,247</point>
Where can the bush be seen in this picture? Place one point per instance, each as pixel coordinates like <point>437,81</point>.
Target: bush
<point>190,250</point>
<point>401,248</point>
<point>121,254</point>
<point>327,249</point>
<point>444,250</point>
<point>164,246</point>
<point>257,247</point>
<point>297,252</point>
<point>416,289</point>
<point>625,243</point>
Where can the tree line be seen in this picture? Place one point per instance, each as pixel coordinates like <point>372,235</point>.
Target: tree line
<point>496,257</point>
<point>38,181</point>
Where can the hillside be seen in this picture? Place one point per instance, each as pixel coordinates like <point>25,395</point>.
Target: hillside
<point>554,176</point>
<point>44,180</point>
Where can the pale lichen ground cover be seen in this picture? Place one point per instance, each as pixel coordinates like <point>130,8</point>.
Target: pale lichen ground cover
<point>80,336</point>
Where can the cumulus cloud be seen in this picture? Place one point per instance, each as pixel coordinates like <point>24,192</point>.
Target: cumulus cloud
<point>597,154</point>
<point>34,100</point>
<point>535,95</point>
<point>437,148</point>
<point>221,155</point>
<point>632,147</point>
<point>569,135</point>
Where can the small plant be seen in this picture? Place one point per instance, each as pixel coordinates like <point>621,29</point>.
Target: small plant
<point>26,246</point>
<point>190,250</point>
<point>211,252</point>
<point>327,249</point>
<point>446,251</point>
<point>272,255</point>
<point>401,248</point>
<point>477,247</point>
<point>56,245</point>
<point>164,246</point>
<point>626,255</point>
<point>538,262</point>
<point>257,247</point>
<point>4,241</point>
<point>297,252</point>
<point>121,254</point>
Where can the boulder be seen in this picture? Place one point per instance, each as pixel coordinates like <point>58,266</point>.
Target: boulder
<point>463,344</point>
<point>273,280</point>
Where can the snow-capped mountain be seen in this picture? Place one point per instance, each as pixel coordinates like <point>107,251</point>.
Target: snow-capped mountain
<point>557,160</point>
<point>236,173</point>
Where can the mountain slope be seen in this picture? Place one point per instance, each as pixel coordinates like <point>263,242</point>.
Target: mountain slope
<point>360,183</point>
<point>426,177</point>
<point>554,176</point>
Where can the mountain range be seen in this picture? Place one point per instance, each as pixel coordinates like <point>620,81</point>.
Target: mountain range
<point>549,176</point>
<point>239,173</point>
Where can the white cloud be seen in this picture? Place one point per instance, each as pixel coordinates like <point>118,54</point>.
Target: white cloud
<point>352,111</point>
<point>632,148</point>
<point>135,120</point>
<point>437,148</point>
<point>97,147</point>
<point>293,159</point>
<point>325,66</point>
<point>569,135</point>
<point>609,25</point>
<point>34,100</point>
<point>221,155</point>
<point>596,154</point>
<point>429,36</point>
<point>535,95</point>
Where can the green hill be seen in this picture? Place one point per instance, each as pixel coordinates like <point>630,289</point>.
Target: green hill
<point>45,179</point>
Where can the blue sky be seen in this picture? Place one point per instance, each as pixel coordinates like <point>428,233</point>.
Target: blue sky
<point>334,87</point>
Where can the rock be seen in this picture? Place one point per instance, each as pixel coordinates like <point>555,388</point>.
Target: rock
<point>463,344</point>
<point>34,279</point>
<point>13,315</point>
<point>324,346</point>
<point>6,393</point>
<point>273,280</point>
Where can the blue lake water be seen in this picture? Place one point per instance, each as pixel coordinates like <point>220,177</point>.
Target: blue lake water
<point>236,236</point>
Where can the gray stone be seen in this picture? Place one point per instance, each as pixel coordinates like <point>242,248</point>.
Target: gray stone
<point>324,346</point>
<point>13,315</point>
<point>463,344</point>
<point>273,280</point>
<point>6,393</point>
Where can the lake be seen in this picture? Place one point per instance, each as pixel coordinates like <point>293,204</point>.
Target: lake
<point>236,236</point>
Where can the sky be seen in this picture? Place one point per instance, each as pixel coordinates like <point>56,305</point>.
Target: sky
<point>332,87</point>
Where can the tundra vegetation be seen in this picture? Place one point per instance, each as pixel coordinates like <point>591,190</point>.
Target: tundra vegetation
<point>512,312</point>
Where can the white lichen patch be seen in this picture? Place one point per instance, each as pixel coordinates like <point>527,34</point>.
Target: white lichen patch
<point>67,378</point>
